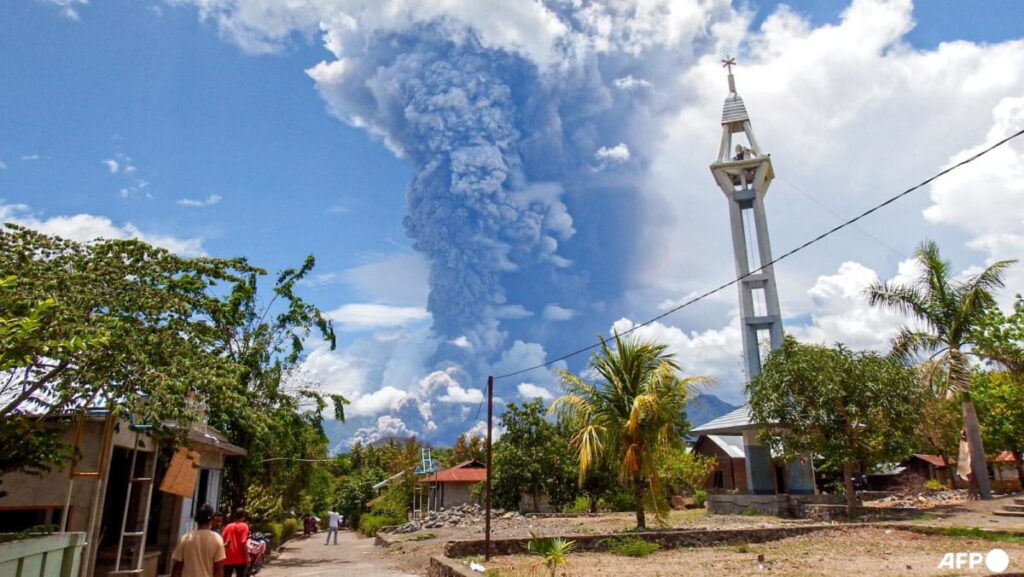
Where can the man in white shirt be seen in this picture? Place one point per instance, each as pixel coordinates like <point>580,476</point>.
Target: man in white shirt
<point>201,552</point>
<point>333,522</point>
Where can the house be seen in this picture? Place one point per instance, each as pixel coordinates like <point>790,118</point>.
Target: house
<point>730,473</point>
<point>113,485</point>
<point>453,486</point>
<point>1005,474</point>
<point>930,467</point>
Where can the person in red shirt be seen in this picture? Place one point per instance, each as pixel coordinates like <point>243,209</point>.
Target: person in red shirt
<point>236,545</point>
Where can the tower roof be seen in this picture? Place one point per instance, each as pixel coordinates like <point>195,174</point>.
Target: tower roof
<point>734,110</point>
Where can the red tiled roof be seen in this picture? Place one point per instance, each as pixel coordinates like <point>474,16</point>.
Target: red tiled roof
<point>465,472</point>
<point>934,459</point>
<point>1006,457</point>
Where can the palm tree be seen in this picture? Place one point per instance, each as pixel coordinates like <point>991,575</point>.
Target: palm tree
<point>946,312</point>
<point>635,410</point>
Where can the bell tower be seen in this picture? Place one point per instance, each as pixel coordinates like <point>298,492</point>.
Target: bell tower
<point>744,172</point>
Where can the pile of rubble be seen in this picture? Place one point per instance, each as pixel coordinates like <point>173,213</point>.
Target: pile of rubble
<point>921,500</point>
<point>461,516</point>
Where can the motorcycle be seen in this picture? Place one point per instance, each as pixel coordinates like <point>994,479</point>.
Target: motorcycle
<point>258,545</point>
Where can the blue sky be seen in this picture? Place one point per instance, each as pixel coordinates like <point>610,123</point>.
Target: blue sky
<point>238,132</point>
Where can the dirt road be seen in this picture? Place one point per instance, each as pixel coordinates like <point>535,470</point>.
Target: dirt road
<point>308,557</point>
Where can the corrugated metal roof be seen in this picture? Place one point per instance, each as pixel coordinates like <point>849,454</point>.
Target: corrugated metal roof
<point>731,444</point>
<point>730,423</point>
<point>734,110</point>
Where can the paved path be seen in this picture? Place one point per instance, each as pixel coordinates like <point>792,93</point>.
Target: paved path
<point>351,557</point>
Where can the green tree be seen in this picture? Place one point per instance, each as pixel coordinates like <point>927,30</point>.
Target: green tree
<point>632,413</point>
<point>946,314</point>
<point>530,458</point>
<point>1000,337</point>
<point>469,447</point>
<point>116,323</point>
<point>852,408</point>
<point>683,472</point>
<point>999,396</point>
<point>268,414</point>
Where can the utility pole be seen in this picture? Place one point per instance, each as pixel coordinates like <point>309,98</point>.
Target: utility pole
<point>487,505</point>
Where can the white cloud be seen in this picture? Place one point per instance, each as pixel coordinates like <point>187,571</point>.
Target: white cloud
<point>3,165</point>
<point>112,165</point>
<point>30,157</point>
<point>512,312</point>
<point>986,197</point>
<point>400,279</point>
<point>453,392</point>
<point>849,148</point>
<point>321,279</point>
<point>386,427</point>
<point>85,227</point>
<point>478,430</point>
<point>555,313</point>
<point>462,342</point>
<point>368,316</point>
<point>69,8</point>
<point>840,314</point>
<point>208,201</point>
<point>377,402</point>
<point>617,153</point>
<point>630,82</point>
<point>530,391</point>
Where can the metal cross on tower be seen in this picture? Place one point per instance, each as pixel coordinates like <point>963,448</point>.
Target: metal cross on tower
<point>744,174</point>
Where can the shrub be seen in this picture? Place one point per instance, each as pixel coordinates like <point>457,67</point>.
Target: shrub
<point>700,497</point>
<point>289,527</point>
<point>934,485</point>
<point>633,547</point>
<point>370,523</point>
<point>554,551</point>
<point>580,505</point>
<point>261,506</point>
<point>275,530</point>
<point>619,501</point>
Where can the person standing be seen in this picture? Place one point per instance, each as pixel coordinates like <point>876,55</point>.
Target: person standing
<point>333,522</point>
<point>236,545</point>
<point>200,553</point>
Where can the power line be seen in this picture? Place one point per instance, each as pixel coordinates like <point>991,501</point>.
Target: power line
<point>826,208</point>
<point>786,255</point>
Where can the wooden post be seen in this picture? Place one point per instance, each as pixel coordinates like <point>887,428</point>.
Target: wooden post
<point>487,506</point>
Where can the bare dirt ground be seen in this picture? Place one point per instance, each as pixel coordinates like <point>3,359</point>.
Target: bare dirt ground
<point>846,551</point>
<point>353,555</point>
<point>973,514</point>
<point>856,549</point>
<point>413,550</point>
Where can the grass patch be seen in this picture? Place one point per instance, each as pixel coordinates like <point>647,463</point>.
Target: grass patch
<point>976,533</point>
<point>923,517</point>
<point>422,537</point>
<point>632,547</point>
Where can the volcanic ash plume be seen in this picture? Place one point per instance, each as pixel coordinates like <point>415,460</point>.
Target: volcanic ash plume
<point>452,111</point>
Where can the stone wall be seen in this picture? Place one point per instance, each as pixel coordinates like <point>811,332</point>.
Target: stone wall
<point>800,506</point>
<point>441,567</point>
<point>667,539</point>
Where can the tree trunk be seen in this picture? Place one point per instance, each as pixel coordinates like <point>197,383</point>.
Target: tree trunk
<point>950,473</point>
<point>593,502</point>
<point>1017,455</point>
<point>851,495</point>
<point>638,499</point>
<point>536,500</point>
<point>979,470</point>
